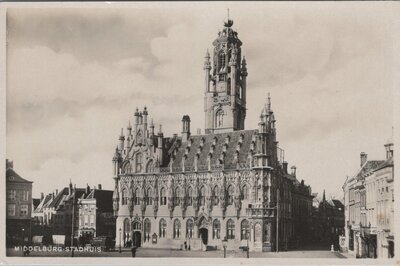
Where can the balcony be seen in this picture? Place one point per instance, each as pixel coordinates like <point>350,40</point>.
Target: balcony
<point>259,211</point>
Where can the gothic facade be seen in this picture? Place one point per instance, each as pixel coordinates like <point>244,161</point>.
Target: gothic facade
<point>200,189</point>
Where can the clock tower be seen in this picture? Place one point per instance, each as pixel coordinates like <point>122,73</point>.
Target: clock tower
<point>225,83</point>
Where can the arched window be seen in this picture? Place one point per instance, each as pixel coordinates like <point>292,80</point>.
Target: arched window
<point>245,192</point>
<point>177,228</point>
<point>124,196</point>
<point>231,191</point>
<point>163,197</point>
<point>147,230</point>
<point>216,229</point>
<point>177,195</point>
<point>136,225</point>
<point>149,196</point>
<point>137,196</point>
<point>221,61</point>
<point>202,196</point>
<point>230,229</point>
<point>138,163</point>
<point>215,195</point>
<point>189,228</point>
<point>163,228</point>
<point>127,230</point>
<point>190,197</point>
<point>219,119</point>
<point>245,230</point>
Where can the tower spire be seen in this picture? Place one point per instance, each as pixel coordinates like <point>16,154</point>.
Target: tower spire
<point>269,102</point>
<point>323,197</point>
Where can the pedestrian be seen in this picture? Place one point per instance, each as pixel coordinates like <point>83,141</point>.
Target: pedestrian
<point>185,245</point>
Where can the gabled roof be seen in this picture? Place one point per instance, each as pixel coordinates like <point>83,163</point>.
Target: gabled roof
<point>63,196</point>
<point>208,140</point>
<point>35,203</point>
<point>103,199</point>
<point>13,177</point>
<point>338,204</point>
<point>368,167</point>
<point>43,203</point>
<point>387,163</point>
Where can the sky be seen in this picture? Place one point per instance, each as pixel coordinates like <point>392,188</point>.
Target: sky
<point>75,77</point>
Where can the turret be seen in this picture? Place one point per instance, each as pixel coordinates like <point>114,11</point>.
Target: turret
<point>145,114</point>
<point>185,128</point>
<point>116,162</point>
<point>136,119</point>
<point>207,68</point>
<point>160,145</point>
<point>121,140</point>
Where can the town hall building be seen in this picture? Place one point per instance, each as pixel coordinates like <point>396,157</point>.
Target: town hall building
<point>200,189</point>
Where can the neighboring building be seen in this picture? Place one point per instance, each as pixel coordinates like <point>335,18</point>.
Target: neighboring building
<point>200,189</point>
<point>369,207</point>
<point>55,213</point>
<point>328,222</point>
<point>19,207</point>
<point>96,216</point>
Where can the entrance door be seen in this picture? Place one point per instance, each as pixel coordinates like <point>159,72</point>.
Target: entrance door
<point>204,235</point>
<point>137,239</point>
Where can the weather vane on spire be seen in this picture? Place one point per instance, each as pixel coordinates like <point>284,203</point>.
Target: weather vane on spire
<point>228,23</point>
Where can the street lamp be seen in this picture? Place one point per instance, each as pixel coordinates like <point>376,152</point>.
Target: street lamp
<point>120,240</point>
<point>224,244</point>
<point>23,229</point>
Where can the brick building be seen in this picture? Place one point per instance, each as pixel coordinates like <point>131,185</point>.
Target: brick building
<point>19,207</point>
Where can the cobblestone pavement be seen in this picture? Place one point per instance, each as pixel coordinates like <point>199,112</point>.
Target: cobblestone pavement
<point>146,252</point>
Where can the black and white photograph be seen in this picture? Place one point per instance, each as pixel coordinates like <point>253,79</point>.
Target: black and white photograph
<point>210,130</point>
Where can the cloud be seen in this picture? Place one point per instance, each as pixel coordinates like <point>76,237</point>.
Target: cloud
<point>74,78</point>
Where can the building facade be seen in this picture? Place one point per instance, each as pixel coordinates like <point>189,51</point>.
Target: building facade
<point>19,207</point>
<point>369,208</point>
<point>197,190</point>
<point>96,216</point>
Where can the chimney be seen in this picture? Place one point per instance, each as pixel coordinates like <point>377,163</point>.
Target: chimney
<point>56,191</point>
<point>185,128</point>
<point>9,164</point>
<point>99,186</point>
<point>363,158</point>
<point>41,196</point>
<point>52,195</point>
<point>87,189</point>
<point>285,165</point>
<point>293,170</point>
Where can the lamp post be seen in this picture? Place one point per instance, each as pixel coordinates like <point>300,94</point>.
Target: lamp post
<point>224,244</point>
<point>120,240</point>
<point>23,235</point>
<point>247,236</point>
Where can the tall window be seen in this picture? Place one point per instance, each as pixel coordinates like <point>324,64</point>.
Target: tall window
<point>149,198</point>
<point>221,61</point>
<point>219,121</point>
<point>11,194</point>
<point>216,229</point>
<point>231,191</point>
<point>245,230</point>
<point>230,229</point>
<point>23,210</point>
<point>202,196</point>
<point>138,163</point>
<point>137,196</point>
<point>124,196</point>
<point>177,195</point>
<point>189,228</point>
<point>25,195</point>
<point>163,197</point>
<point>177,229</point>
<point>215,195</point>
<point>163,228</point>
<point>245,192</point>
<point>147,229</point>
<point>127,229</point>
<point>11,209</point>
<point>190,197</point>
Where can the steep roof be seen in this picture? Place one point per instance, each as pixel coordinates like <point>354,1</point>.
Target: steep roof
<point>368,167</point>
<point>63,196</point>
<point>387,163</point>
<point>103,199</point>
<point>43,203</point>
<point>191,148</point>
<point>13,177</point>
